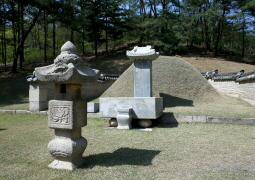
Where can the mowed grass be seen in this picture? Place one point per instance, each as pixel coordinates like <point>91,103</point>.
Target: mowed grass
<point>225,106</point>
<point>170,151</point>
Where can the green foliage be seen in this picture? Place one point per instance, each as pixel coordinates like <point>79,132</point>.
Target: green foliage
<point>99,24</point>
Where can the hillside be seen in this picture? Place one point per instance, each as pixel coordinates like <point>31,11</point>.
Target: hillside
<point>184,90</point>
<point>173,78</point>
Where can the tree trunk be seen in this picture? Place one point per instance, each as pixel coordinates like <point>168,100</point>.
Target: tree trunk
<point>45,35</point>
<point>54,38</point>
<point>243,37</point>
<point>4,40</point>
<point>95,43</point>
<point>83,40</point>
<point>207,38</point>
<point>72,36</point>
<point>14,65</point>
<point>21,55</point>
<point>220,29</point>
<point>106,34</point>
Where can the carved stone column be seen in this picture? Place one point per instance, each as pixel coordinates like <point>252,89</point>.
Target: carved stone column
<point>67,118</point>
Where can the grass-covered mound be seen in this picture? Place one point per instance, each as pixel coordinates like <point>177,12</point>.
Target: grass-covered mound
<point>179,83</point>
<point>184,90</point>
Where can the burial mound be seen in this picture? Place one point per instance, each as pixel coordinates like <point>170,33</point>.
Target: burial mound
<point>179,83</point>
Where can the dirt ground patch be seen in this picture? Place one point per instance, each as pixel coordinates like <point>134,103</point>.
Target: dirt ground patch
<point>222,64</point>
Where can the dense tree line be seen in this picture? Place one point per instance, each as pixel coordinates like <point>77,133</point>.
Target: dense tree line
<point>31,29</point>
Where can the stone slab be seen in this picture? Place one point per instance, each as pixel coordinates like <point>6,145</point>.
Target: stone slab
<point>142,107</point>
<point>231,120</point>
<point>10,111</point>
<point>142,78</point>
<point>22,111</point>
<point>7,111</point>
<point>170,118</point>
<point>92,107</point>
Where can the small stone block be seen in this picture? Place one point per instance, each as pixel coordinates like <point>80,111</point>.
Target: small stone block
<point>67,114</point>
<point>124,118</point>
<point>93,107</point>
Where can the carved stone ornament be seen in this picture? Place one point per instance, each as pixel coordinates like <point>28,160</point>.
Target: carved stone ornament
<point>142,53</point>
<point>67,68</point>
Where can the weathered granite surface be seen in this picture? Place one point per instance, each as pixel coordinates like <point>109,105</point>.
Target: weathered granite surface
<point>68,112</point>
<point>124,118</point>
<point>92,107</point>
<point>143,57</point>
<point>68,68</point>
<point>142,53</point>
<point>143,78</point>
<point>142,107</point>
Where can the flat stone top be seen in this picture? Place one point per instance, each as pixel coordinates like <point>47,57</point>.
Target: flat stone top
<point>67,68</point>
<point>142,53</point>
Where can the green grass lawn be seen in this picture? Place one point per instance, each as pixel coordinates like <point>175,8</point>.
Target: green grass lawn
<point>170,151</point>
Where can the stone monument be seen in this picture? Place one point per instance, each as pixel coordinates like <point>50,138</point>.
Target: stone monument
<point>68,112</point>
<point>142,106</point>
<point>142,57</point>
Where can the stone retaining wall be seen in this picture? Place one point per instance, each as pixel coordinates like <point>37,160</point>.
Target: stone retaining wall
<point>237,84</point>
<point>244,89</point>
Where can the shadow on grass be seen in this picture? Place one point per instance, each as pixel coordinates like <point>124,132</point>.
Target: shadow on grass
<point>2,129</point>
<point>122,156</point>
<point>173,101</point>
<point>167,120</point>
<point>13,90</point>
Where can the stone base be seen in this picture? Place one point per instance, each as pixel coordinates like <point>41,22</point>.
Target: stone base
<point>36,106</point>
<point>58,164</point>
<point>142,107</point>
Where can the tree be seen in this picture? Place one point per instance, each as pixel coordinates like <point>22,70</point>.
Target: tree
<point>23,39</point>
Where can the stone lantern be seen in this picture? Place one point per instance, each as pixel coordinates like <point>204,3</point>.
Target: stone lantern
<point>68,112</point>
